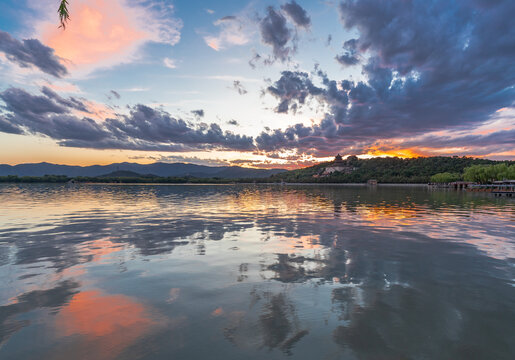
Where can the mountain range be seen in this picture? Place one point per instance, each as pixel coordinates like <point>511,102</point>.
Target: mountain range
<point>157,169</point>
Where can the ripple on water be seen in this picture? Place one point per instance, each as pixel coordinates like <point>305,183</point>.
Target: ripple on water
<point>254,271</point>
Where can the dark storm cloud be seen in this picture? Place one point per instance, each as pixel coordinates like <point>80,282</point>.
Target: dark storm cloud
<point>157,126</point>
<point>144,128</point>
<point>275,32</point>
<point>298,15</point>
<point>429,66</point>
<point>7,127</point>
<point>70,102</point>
<point>318,139</point>
<point>47,115</point>
<point>292,89</point>
<point>31,52</point>
<point>503,139</point>
<point>21,103</point>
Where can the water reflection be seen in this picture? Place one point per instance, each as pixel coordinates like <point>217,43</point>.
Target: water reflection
<point>101,326</point>
<point>341,272</point>
<point>52,299</point>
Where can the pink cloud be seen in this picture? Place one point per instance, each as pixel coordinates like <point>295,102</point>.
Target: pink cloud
<point>107,32</point>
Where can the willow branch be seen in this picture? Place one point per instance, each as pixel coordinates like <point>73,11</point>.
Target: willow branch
<point>64,15</point>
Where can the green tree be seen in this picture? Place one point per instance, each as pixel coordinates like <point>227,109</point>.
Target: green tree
<point>446,177</point>
<point>484,174</point>
<point>352,160</point>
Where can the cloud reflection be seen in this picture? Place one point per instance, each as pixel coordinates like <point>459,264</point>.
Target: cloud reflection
<point>102,325</point>
<point>377,272</point>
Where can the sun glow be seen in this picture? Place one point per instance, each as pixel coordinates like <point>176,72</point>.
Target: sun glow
<point>376,151</point>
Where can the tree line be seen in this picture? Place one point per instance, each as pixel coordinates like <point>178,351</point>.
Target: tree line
<point>482,174</point>
<point>384,170</point>
<point>396,170</point>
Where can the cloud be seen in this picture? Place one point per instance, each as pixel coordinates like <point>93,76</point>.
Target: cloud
<point>238,86</point>
<point>136,89</point>
<point>170,63</point>
<point>71,102</point>
<point>108,32</point>
<point>232,32</point>
<point>502,140</point>
<point>349,58</point>
<point>425,71</point>
<point>292,89</point>
<point>144,128</point>
<point>149,129</point>
<point>198,113</point>
<point>59,85</point>
<point>22,103</point>
<point>254,61</point>
<point>229,78</point>
<point>7,127</point>
<point>275,32</point>
<point>233,122</point>
<point>298,15</point>
<point>31,52</point>
<point>344,130</point>
<point>49,115</point>
<point>329,40</point>
<point>191,160</point>
<point>116,94</point>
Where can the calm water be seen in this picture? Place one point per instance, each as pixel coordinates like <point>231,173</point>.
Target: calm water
<point>255,272</point>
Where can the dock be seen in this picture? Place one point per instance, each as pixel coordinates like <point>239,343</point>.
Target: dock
<point>497,188</point>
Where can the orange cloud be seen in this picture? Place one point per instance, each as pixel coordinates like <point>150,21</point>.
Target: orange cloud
<point>95,314</point>
<point>106,324</point>
<point>402,153</point>
<point>100,30</point>
<point>106,32</point>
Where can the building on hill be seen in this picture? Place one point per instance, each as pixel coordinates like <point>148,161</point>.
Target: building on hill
<point>338,165</point>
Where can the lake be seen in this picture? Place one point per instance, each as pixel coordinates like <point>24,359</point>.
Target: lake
<point>255,272</point>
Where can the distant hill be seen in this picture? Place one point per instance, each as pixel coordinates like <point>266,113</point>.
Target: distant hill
<point>157,169</point>
<point>123,173</point>
<point>384,170</point>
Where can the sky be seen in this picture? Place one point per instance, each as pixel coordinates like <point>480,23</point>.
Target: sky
<point>269,84</point>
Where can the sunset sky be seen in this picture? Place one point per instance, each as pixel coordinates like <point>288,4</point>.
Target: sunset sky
<point>257,83</point>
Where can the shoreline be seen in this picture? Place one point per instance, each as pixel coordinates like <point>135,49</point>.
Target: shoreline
<point>232,183</point>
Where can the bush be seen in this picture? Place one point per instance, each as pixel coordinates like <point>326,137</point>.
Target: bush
<point>445,177</point>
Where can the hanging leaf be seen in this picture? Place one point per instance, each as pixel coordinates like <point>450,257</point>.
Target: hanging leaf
<point>64,15</point>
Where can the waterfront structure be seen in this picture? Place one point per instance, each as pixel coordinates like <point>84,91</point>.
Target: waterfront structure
<point>460,185</point>
<point>498,188</point>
